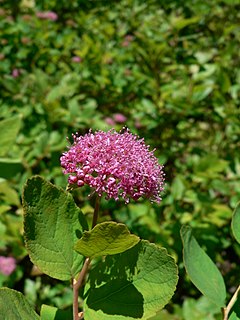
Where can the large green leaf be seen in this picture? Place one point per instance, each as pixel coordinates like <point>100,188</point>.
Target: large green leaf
<point>106,238</point>
<point>52,224</point>
<point>133,284</point>
<point>236,223</point>
<point>8,131</point>
<point>202,271</point>
<point>14,306</point>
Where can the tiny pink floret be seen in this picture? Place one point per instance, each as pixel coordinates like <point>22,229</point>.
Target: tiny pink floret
<point>119,165</point>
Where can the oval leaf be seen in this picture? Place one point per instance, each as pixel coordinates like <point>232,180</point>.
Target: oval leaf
<point>236,223</point>
<point>202,271</point>
<point>105,239</point>
<point>52,224</point>
<point>134,284</point>
<point>14,306</point>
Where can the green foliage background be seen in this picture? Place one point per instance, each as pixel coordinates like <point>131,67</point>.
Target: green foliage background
<point>172,69</point>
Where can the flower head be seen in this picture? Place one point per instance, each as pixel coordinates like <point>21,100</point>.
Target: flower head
<point>120,118</point>
<point>110,121</point>
<point>115,164</point>
<point>7,265</point>
<point>15,73</point>
<point>48,15</point>
<point>76,59</point>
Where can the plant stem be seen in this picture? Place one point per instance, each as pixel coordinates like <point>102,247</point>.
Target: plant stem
<point>96,210</point>
<point>230,304</point>
<point>78,283</point>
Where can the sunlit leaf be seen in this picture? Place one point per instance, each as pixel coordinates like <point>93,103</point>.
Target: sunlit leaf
<point>52,313</point>
<point>202,271</point>
<point>14,306</point>
<point>52,225</point>
<point>106,238</point>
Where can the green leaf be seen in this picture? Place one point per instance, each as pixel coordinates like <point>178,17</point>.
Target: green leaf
<point>10,167</point>
<point>201,91</point>
<point>52,224</point>
<point>236,223</point>
<point>180,23</point>
<point>14,306</point>
<point>199,309</point>
<point>134,284</point>
<point>178,188</point>
<point>52,313</point>
<point>105,239</point>
<point>8,132</point>
<point>8,194</point>
<point>202,271</point>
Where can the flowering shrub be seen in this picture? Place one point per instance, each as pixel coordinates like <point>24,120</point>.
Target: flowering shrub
<point>172,70</point>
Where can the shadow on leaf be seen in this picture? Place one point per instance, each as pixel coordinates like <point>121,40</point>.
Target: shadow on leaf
<point>119,297</point>
<point>111,288</point>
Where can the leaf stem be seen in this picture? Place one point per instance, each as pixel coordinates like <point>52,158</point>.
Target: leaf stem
<point>230,304</point>
<point>78,283</point>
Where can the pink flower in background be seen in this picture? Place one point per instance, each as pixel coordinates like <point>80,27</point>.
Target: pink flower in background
<point>120,118</point>
<point>7,265</point>
<point>127,40</point>
<point>117,164</point>
<point>15,73</point>
<point>49,15</point>
<point>109,121</point>
<point>129,37</point>
<point>76,59</point>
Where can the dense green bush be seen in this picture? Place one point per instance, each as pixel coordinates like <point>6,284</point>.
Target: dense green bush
<point>172,70</point>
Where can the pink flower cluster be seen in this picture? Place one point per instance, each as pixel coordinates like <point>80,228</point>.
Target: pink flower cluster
<point>48,15</point>
<point>16,73</point>
<point>115,164</point>
<point>76,59</point>
<point>7,265</point>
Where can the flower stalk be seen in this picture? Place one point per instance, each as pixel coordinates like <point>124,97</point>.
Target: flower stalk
<point>230,304</point>
<point>77,283</point>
